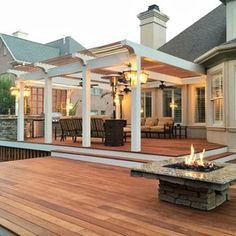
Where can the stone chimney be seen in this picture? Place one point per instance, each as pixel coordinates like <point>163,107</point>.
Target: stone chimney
<point>153,27</point>
<point>230,19</point>
<point>20,34</point>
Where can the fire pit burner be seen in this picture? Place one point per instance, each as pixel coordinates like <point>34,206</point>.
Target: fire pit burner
<point>206,167</point>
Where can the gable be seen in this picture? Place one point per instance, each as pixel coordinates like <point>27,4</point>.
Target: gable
<point>28,51</point>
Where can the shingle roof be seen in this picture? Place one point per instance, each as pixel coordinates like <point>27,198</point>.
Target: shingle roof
<point>28,51</point>
<point>66,45</point>
<point>205,34</point>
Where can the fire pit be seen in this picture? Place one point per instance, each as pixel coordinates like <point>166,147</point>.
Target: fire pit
<point>191,181</point>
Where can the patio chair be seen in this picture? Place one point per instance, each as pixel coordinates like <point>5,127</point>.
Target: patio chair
<point>165,126</point>
<point>97,128</point>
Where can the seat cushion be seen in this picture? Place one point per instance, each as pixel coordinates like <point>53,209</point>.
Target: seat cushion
<point>145,128</point>
<point>151,121</point>
<point>157,128</point>
<point>127,129</point>
<point>165,121</point>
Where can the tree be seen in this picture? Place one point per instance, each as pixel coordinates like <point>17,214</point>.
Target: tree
<point>7,101</point>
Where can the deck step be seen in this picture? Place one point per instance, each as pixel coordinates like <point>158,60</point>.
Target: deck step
<point>98,158</point>
<point>222,157</point>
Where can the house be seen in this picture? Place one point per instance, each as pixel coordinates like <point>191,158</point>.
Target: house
<point>16,50</point>
<point>191,78</point>
<point>206,104</point>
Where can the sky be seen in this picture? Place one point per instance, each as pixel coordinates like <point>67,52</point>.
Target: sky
<point>95,22</point>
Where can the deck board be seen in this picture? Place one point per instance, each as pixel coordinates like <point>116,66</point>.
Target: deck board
<point>157,146</point>
<point>49,196</point>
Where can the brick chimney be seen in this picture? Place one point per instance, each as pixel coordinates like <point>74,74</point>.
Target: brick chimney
<point>153,27</point>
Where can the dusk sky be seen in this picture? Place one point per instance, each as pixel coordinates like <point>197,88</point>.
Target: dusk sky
<point>94,23</point>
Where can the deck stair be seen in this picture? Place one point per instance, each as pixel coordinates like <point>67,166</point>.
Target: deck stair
<point>125,159</point>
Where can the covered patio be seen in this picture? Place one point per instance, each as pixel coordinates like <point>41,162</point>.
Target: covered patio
<point>98,62</point>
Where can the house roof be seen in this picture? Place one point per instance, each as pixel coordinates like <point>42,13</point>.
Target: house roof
<point>29,51</point>
<point>205,34</point>
<point>66,45</point>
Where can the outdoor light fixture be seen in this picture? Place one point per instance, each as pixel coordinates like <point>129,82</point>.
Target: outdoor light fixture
<point>26,92</point>
<point>173,105</point>
<point>15,91</point>
<point>131,75</point>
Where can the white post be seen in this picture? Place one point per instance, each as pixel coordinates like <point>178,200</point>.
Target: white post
<point>48,110</point>
<point>86,107</point>
<point>20,113</point>
<point>136,110</point>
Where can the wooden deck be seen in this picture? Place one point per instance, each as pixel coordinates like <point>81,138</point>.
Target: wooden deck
<point>51,196</point>
<point>166,147</point>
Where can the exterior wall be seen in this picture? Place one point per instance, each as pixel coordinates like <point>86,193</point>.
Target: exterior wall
<point>98,103</point>
<point>195,130</point>
<point>224,133</point>
<point>5,58</point>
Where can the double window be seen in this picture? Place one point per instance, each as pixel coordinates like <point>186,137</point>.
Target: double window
<point>172,103</point>
<point>36,101</point>
<point>217,98</point>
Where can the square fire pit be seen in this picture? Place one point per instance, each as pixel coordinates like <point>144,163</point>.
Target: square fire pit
<point>201,190</point>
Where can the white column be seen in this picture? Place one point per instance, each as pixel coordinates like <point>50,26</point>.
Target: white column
<point>136,110</point>
<point>20,113</point>
<point>48,110</point>
<point>86,108</point>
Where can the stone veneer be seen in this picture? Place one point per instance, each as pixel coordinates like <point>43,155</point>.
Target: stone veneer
<point>8,127</point>
<point>195,194</point>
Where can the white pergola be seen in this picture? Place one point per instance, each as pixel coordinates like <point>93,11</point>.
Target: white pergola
<point>102,61</point>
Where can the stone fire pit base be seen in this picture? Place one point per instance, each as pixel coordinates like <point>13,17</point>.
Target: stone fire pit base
<point>195,194</point>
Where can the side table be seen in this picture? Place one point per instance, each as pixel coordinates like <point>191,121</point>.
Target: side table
<point>180,131</point>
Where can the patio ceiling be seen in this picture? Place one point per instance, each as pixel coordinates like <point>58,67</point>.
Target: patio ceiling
<point>109,59</point>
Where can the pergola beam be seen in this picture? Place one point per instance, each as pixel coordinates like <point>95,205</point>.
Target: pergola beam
<point>164,57</point>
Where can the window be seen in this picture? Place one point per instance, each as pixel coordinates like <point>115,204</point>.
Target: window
<point>217,98</point>
<point>103,112</point>
<point>96,91</point>
<point>59,100</point>
<point>200,107</point>
<point>36,101</point>
<point>146,104</point>
<point>172,103</point>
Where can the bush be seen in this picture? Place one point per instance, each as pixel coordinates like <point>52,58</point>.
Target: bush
<point>6,100</point>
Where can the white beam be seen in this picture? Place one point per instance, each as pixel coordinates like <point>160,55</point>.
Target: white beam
<point>164,57</point>
<point>48,110</point>
<point>53,72</point>
<point>86,107</point>
<point>136,110</point>
<point>20,114</point>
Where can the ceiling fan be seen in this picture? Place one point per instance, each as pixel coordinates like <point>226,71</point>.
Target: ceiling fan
<point>162,85</point>
<point>81,84</point>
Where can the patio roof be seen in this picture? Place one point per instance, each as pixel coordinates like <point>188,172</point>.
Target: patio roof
<point>103,59</point>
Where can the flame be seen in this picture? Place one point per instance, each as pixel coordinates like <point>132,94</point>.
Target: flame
<point>192,159</point>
